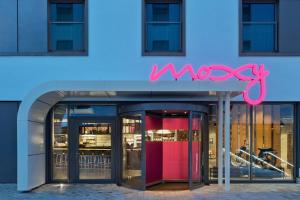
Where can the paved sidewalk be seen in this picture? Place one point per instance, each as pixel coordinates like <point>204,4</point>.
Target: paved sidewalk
<point>107,192</point>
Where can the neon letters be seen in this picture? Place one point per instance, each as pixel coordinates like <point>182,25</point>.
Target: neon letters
<point>204,72</point>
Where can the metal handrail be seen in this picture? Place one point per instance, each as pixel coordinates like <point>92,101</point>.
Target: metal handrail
<point>284,161</point>
<point>242,159</point>
<point>259,159</point>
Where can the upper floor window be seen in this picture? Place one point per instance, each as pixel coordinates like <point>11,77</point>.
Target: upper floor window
<point>66,25</point>
<point>163,27</point>
<point>259,22</point>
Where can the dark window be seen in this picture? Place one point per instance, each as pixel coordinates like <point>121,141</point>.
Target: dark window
<point>163,26</point>
<point>63,45</point>
<point>259,26</point>
<point>66,25</point>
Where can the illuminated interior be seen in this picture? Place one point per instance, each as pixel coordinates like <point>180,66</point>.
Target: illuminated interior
<point>261,142</point>
<point>166,148</point>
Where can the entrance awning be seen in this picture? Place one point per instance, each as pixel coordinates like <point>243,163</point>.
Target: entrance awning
<point>161,90</point>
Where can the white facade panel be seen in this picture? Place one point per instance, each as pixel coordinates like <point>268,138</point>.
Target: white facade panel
<point>36,143</point>
<point>38,112</point>
<point>36,170</point>
<point>115,51</point>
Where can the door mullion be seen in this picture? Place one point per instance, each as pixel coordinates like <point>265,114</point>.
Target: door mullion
<point>73,147</point>
<point>113,149</point>
<point>190,153</point>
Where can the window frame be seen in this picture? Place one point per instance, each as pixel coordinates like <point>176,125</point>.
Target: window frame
<point>182,23</point>
<point>275,23</point>
<point>85,29</point>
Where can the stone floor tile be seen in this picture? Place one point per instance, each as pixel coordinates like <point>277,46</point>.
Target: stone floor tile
<point>113,192</point>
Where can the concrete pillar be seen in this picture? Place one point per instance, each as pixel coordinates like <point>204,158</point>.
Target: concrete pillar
<point>227,141</point>
<point>220,140</point>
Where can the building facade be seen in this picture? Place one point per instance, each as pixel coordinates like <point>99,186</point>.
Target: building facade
<point>148,92</point>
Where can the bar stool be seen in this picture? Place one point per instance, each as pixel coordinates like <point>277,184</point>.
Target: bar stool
<point>64,160</point>
<point>107,162</point>
<point>81,161</point>
<point>97,161</point>
<point>57,160</point>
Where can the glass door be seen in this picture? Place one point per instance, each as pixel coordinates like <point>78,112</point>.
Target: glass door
<point>92,154</point>
<point>195,149</point>
<point>133,140</point>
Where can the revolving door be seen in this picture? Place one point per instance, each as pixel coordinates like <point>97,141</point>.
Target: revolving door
<point>164,145</point>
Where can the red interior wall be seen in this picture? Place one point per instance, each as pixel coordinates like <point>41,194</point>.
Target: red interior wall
<point>167,160</point>
<point>175,160</point>
<point>175,154</point>
<point>153,123</point>
<point>176,123</point>
<point>154,162</point>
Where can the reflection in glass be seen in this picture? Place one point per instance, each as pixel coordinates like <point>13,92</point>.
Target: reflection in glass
<point>92,110</point>
<point>197,125</point>
<point>66,26</point>
<point>259,37</point>
<point>259,27</point>
<point>60,144</point>
<point>213,138</point>
<point>67,37</point>
<point>95,150</point>
<point>132,151</point>
<point>67,12</point>
<point>163,12</point>
<point>163,27</point>
<point>262,12</point>
<point>163,37</point>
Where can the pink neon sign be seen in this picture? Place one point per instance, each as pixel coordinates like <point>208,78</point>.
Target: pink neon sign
<point>206,72</point>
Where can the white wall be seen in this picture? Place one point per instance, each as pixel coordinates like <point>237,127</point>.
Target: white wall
<point>115,50</point>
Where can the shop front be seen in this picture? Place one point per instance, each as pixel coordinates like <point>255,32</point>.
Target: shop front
<point>135,134</point>
<point>168,144</point>
<point>155,144</point>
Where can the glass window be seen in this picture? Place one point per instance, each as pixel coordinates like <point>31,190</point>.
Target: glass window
<point>66,25</point>
<point>261,142</point>
<point>163,26</point>
<point>273,142</point>
<point>240,142</point>
<point>92,110</point>
<point>259,27</point>
<point>258,12</point>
